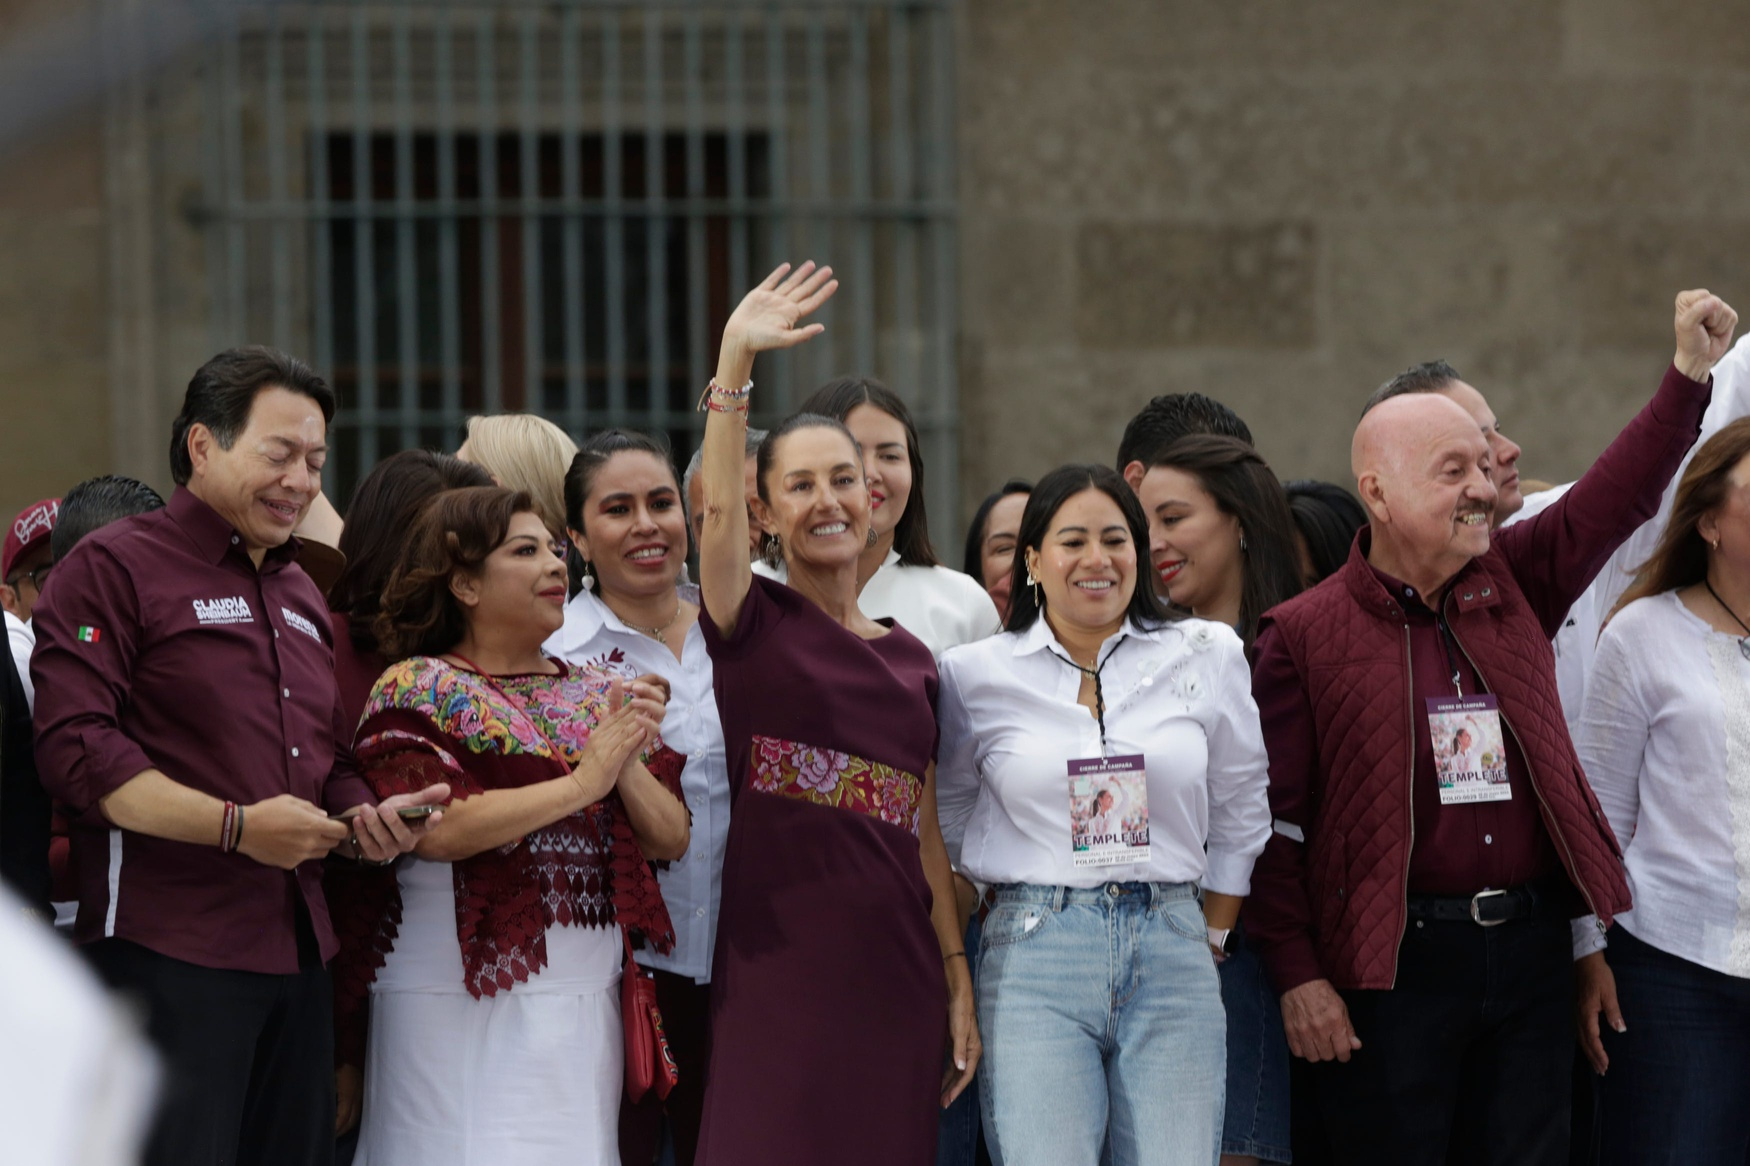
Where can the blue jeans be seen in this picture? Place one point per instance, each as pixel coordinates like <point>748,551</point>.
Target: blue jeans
<point>1257,1118</point>
<point>1679,1077</point>
<point>1104,1037</point>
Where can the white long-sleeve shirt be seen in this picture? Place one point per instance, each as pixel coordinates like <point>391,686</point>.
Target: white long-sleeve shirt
<point>1665,741</point>
<point>1180,695</point>
<point>692,885</point>
<point>1576,643</point>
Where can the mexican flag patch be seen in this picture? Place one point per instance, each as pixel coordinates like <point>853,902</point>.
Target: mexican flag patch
<point>89,634</point>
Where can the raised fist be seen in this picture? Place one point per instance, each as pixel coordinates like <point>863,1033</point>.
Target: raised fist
<point>1704,327</point>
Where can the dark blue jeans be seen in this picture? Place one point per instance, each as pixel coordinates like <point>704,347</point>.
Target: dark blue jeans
<point>1678,1089</point>
<point>1256,1121</point>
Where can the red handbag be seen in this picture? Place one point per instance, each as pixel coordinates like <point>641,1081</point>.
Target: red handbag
<point>649,1061</point>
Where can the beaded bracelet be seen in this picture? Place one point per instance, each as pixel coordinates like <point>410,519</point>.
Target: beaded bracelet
<point>717,399</point>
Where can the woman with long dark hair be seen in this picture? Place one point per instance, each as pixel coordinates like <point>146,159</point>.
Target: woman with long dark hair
<point>1665,741</point>
<point>839,967</point>
<point>625,518</point>
<point>1103,769</point>
<point>1221,536</point>
<point>1326,520</point>
<point>898,573</point>
<point>990,541</point>
<point>1222,544</point>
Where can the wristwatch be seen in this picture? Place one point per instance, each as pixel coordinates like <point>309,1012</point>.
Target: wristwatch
<point>1221,940</point>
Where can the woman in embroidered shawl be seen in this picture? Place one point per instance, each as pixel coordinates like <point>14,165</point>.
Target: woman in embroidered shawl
<point>496,1034</point>
<point>841,1000</point>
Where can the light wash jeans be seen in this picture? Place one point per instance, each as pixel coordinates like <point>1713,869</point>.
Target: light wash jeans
<point>1104,1034</point>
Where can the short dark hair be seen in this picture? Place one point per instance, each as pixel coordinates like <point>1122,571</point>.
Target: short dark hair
<point>384,505</point>
<point>1047,498</point>
<point>455,531</point>
<point>768,456</point>
<point>1244,486</point>
<point>95,503</point>
<point>1167,418</point>
<point>223,390</point>
<point>974,560</point>
<point>1428,377</point>
<point>837,399</point>
<point>1327,517</point>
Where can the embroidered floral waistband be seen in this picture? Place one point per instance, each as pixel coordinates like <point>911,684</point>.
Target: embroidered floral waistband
<point>827,777</point>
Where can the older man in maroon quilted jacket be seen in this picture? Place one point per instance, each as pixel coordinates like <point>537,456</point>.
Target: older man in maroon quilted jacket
<point>1414,911</point>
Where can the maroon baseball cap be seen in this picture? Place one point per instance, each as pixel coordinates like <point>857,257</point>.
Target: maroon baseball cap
<point>31,528</point>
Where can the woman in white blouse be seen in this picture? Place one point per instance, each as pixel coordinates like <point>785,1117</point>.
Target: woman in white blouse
<point>1097,991</point>
<point>899,575</point>
<point>624,514</point>
<point>1665,740</point>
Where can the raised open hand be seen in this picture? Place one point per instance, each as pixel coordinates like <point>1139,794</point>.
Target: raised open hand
<point>770,316</point>
<point>1704,327</point>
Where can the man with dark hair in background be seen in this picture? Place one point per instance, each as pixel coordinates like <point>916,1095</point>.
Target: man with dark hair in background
<point>188,704</point>
<point>1167,418</point>
<point>97,502</point>
<point>93,503</point>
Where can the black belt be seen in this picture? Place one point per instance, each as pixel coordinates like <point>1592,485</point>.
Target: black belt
<point>1487,908</point>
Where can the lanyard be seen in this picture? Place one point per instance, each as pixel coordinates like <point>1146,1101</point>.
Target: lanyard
<point>1447,641</point>
<point>1094,674</point>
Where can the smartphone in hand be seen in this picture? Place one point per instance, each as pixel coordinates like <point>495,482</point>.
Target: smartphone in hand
<point>405,813</point>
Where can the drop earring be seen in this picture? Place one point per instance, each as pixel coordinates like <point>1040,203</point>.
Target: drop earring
<point>1034,584</point>
<point>871,540</point>
<point>1242,542</point>
<point>587,581</point>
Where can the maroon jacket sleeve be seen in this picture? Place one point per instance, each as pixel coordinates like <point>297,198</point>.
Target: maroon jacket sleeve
<point>82,686</point>
<point>1279,912</point>
<point>1556,555</point>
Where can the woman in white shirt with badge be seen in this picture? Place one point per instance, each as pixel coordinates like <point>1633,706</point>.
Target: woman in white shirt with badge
<point>1665,741</point>
<point>1097,991</point>
<point>624,514</point>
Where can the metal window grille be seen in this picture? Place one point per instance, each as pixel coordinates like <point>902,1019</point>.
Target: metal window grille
<point>454,208</point>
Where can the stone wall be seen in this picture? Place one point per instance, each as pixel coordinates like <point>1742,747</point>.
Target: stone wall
<point>1281,204</point>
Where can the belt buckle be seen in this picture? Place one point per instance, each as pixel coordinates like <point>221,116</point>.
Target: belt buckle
<point>1477,918</point>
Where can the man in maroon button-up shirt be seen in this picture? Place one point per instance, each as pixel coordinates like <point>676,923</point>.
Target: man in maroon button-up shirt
<point>1440,1007</point>
<point>186,708</point>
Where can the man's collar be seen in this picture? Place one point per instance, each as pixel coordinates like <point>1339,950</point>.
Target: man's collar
<point>1472,586</point>
<point>213,536</point>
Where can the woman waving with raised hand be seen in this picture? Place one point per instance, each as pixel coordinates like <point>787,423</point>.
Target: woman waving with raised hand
<point>838,966</point>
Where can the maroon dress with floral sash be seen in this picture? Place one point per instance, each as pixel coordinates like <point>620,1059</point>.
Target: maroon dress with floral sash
<point>829,1003</point>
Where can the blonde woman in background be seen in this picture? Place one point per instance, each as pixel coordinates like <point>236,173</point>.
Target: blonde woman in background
<point>524,452</point>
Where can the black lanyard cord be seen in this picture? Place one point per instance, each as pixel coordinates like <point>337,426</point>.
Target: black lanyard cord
<point>1447,641</point>
<point>1099,696</point>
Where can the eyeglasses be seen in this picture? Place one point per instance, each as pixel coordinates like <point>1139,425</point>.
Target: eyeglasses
<point>37,576</point>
